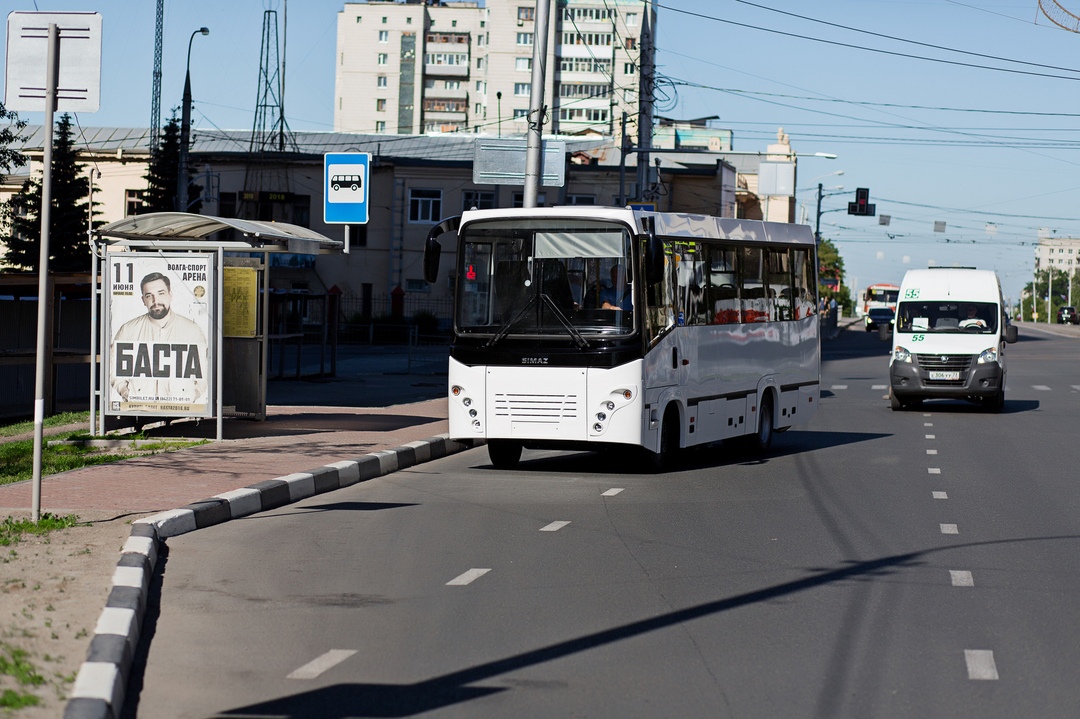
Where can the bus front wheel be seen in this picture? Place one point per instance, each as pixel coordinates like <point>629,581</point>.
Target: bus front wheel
<point>503,453</point>
<point>664,458</point>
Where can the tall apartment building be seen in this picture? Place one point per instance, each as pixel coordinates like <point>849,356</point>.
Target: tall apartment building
<point>414,66</point>
<point>1061,253</point>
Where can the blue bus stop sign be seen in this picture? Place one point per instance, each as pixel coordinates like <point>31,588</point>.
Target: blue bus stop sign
<point>345,188</point>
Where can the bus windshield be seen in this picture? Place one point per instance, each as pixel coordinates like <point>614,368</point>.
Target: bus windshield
<point>561,277</point>
<point>947,316</point>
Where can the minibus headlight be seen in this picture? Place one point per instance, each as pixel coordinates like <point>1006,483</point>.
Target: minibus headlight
<point>901,354</point>
<point>988,355</point>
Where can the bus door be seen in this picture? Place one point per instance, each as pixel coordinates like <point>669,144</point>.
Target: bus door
<point>664,358</point>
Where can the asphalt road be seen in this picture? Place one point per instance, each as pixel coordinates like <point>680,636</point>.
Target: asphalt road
<point>875,564</point>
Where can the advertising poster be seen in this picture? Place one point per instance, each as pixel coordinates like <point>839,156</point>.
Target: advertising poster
<point>239,313</point>
<point>159,318</point>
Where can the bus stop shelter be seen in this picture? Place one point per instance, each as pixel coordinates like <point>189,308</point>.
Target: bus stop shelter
<point>183,320</point>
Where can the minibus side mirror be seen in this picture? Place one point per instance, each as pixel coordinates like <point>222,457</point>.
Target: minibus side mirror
<point>1010,333</point>
<point>432,248</point>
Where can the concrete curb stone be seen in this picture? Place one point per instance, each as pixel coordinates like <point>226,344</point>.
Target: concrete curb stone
<point>99,687</point>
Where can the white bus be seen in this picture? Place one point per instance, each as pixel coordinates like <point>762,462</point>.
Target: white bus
<point>592,327</point>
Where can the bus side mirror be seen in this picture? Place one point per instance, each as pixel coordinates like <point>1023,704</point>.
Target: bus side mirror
<point>1010,334</point>
<point>432,248</point>
<point>654,259</point>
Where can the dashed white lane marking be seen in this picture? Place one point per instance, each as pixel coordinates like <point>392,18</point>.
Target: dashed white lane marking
<point>880,386</point>
<point>927,424</point>
<point>1041,387</point>
<point>940,495</point>
<point>1075,386</point>
<point>927,414</point>
<point>931,436</point>
<point>320,664</point>
<point>933,470</point>
<point>612,492</point>
<point>949,529</point>
<point>980,664</point>
<point>554,526</point>
<point>839,386</point>
<point>468,577</point>
<point>961,578</point>
<point>931,451</point>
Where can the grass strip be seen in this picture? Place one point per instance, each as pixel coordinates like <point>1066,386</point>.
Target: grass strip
<point>12,530</point>
<point>14,663</point>
<point>57,420</point>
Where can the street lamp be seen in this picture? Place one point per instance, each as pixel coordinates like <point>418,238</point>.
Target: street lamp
<point>185,129</point>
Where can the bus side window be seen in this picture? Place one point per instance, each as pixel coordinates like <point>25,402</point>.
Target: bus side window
<point>756,304</point>
<point>660,312</point>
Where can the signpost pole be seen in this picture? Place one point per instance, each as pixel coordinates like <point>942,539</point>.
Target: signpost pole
<point>44,344</point>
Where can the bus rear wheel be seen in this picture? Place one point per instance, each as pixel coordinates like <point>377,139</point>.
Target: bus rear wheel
<point>504,454</point>
<point>763,438</point>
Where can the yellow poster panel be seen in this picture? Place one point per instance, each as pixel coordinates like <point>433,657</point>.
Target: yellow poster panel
<point>240,302</point>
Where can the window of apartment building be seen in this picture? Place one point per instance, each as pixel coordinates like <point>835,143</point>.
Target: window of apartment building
<point>477,109</point>
<point>584,64</point>
<point>519,199</point>
<point>384,20</point>
<point>380,126</point>
<point>631,43</point>
<point>581,199</point>
<point>479,63</point>
<point>380,81</point>
<point>522,89</point>
<point>477,199</point>
<point>446,58</point>
<point>380,105</point>
<point>425,205</point>
<point>586,38</point>
<point>383,57</point>
<point>629,68</point>
<point>520,114</point>
<point>526,13</point>
<point>384,36</point>
<point>438,104</point>
<point>480,86</point>
<point>453,23</point>
<point>408,21</point>
<point>583,90</point>
<point>481,40</point>
<point>358,19</point>
<point>588,14</point>
<point>453,84</point>
<point>524,38</point>
<point>523,64</point>
<point>133,200</point>
<point>414,285</point>
<point>631,19</point>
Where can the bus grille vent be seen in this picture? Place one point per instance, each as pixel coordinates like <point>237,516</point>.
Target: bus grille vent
<point>537,407</point>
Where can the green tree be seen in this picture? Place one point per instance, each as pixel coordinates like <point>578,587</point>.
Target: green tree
<point>69,247</point>
<point>9,134</point>
<point>164,171</point>
<point>1050,283</point>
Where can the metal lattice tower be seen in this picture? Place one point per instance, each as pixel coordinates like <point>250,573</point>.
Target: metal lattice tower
<point>1057,14</point>
<point>155,93</point>
<point>270,134</point>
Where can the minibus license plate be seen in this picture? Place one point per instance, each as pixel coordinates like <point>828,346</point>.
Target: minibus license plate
<point>945,375</point>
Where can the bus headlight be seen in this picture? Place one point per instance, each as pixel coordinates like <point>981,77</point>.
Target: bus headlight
<point>988,355</point>
<point>901,354</point>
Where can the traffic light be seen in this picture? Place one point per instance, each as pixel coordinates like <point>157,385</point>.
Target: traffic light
<point>862,204</point>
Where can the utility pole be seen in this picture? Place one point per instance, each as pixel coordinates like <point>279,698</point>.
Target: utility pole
<point>817,227</point>
<point>534,139</point>
<point>646,85</point>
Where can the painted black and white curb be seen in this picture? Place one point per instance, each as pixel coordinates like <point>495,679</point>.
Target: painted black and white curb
<point>99,686</point>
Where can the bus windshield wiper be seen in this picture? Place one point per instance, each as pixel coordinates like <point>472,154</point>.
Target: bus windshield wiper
<point>505,329</point>
<point>581,342</point>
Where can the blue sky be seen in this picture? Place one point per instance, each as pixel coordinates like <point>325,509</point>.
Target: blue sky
<point>898,89</point>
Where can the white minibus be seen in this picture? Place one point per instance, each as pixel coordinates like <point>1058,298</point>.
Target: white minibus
<point>949,338</point>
